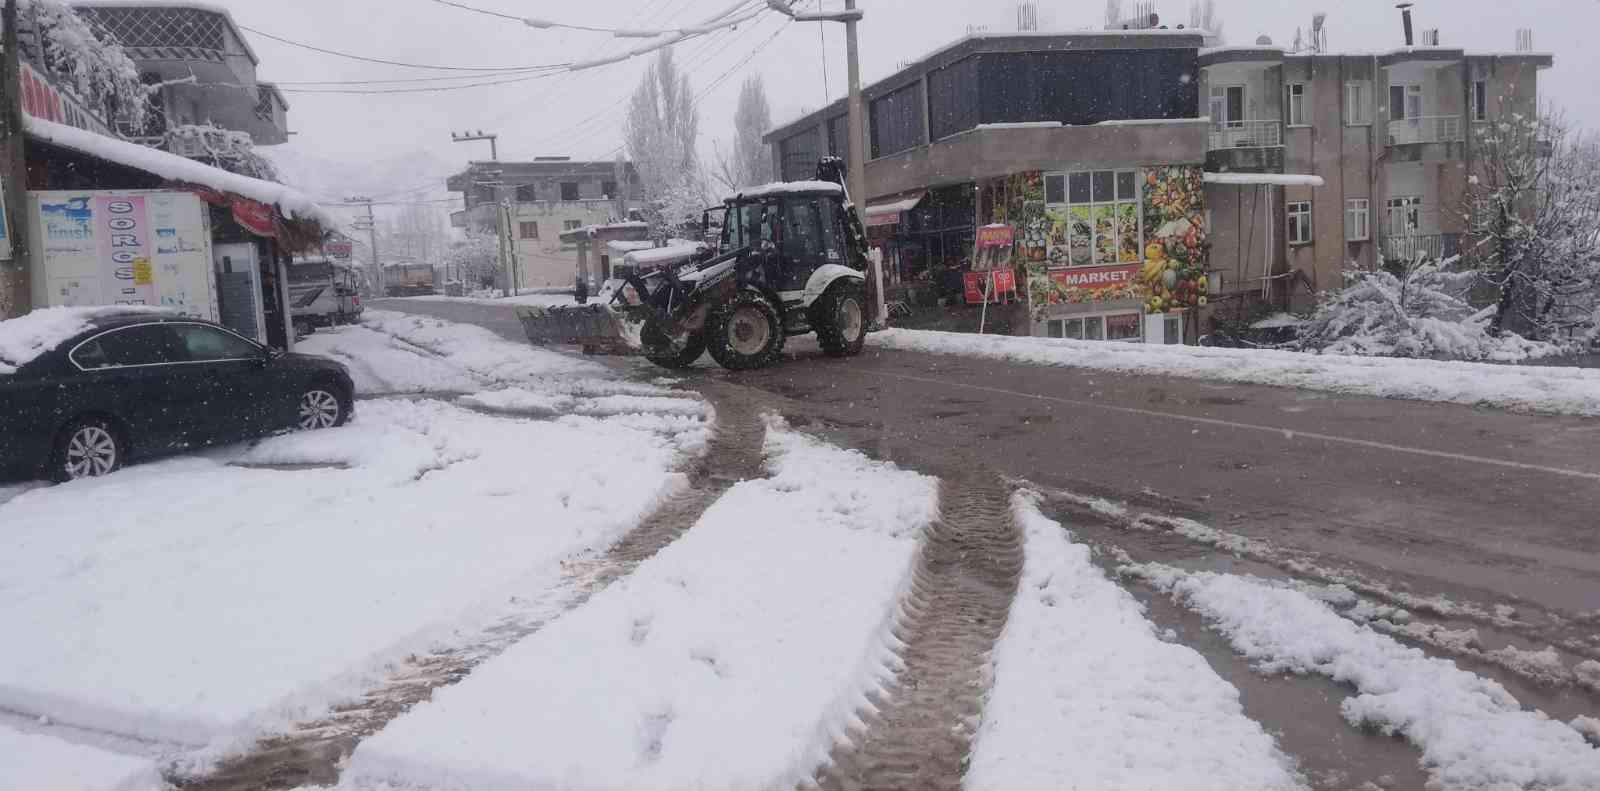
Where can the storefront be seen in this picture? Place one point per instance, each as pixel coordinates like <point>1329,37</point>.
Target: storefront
<point>1115,255</point>
<point>927,242</point>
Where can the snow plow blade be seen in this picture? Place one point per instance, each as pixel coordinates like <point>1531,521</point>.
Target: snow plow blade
<point>599,329</point>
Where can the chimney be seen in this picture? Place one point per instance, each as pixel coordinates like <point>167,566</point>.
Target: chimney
<point>1405,17</point>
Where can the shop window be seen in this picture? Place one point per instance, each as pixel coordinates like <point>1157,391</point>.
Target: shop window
<point>1115,327</point>
<point>1123,327</point>
<point>1095,218</point>
<point>1299,222</point>
<point>1172,330</point>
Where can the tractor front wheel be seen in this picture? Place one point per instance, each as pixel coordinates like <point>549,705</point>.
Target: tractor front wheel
<point>840,317</point>
<point>684,358</point>
<point>745,333</point>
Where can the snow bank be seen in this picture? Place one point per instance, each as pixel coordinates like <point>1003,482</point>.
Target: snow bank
<point>731,660</point>
<point>25,337</point>
<point>189,600</point>
<point>290,201</point>
<point>482,352</point>
<point>1536,389</point>
<point>1473,734</point>
<point>1086,695</point>
<point>34,762</point>
<point>382,365</point>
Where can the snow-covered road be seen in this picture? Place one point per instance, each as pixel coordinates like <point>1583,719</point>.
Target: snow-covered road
<point>583,580</point>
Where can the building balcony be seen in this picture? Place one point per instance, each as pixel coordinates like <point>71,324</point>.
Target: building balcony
<point>1246,134</point>
<point>1246,147</point>
<point>1427,129</point>
<point>1429,247</point>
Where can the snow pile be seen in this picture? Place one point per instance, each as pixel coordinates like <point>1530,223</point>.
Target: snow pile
<point>1536,389</point>
<point>1086,695</point>
<point>191,600</point>
<point>521,401</point>
<point>25,337</point>
<point>380,364</point>
<point>482,352</point>
<point>290,201</point>
<point>35,762</point>
<point>1420,313</point>
<point>733,659</point>
<point>1473,734</point>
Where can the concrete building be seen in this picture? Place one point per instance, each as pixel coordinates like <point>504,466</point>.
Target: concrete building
<point>1252,174</point>
<point>207,73</point>
<point>1391,135</point>
<point>544,198</point>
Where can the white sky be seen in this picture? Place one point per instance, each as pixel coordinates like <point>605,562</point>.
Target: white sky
<point>580,114</point>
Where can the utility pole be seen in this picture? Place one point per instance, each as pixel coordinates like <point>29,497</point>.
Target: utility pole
<point>467,137</point>
<point>370,225</point>
<point>16,295</point>
<point>509,245</point>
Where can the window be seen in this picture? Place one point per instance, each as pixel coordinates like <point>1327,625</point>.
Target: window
<point>1172,330</point>
<point>1300,222</point>
<point>571,225</point>
<point>1405,101</point>
<point>609,189</point>
<point>1096,218</point>
<point>569,190</point>
<point>896,121</point>
<point>146,344</point>
<point>1116,327</point>
<point>1358,103</point>
<point>207,344</point>
<point>1227,106</point>
<point>1123,327</point>
<point>528,230</point>
<point>1296,103</point>
<point>527,193</point>
<point>1403,216</point>
<point>1357,220</point>
<point>1480,101</point>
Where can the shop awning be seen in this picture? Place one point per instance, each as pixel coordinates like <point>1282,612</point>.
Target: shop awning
<point>1268,179</point>
<point>888,212</point>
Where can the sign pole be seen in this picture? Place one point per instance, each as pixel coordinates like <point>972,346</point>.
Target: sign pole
<point>16,294</point>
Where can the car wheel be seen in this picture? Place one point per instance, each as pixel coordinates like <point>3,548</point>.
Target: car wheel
<point>87,448</point>
<point>745,333</point>
<point>840,317</point>
<point>321,407</point>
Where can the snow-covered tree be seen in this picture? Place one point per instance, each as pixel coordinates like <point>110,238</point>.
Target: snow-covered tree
<point>90,65</point>
<point>1533,218</point>
<point>232,151</point>
<point>749,163</point>
<point>661,131</point>
<point>1420,310</point>
<point>1203,15</point>
<point>474,259</point>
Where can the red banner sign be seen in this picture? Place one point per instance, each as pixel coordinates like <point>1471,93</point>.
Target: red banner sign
<point>994,236</point>
<point>1004,287</point>
<point>341,250</point>
<point>256,217</point>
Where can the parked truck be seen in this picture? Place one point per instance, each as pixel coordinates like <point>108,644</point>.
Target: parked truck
<point>790,259</point>
<point>408,280</point>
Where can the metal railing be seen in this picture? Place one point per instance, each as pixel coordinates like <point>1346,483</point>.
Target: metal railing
<point>1247,134</point>
<point>1431,247</point>
<point>1427,129</point>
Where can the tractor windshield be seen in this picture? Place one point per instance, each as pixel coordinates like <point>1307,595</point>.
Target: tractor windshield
<point>741,226</point>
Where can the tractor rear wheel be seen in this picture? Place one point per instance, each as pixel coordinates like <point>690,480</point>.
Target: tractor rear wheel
<point>745,332</point>
<point>840,317</point>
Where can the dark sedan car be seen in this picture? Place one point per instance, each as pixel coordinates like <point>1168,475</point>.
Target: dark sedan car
<point>143,384</point>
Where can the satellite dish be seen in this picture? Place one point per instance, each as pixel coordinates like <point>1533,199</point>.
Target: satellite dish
<point>1263,41</point>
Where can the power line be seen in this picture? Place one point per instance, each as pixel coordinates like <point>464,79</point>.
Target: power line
<point>430,89</point>
<point>402,64</point>
<point>542,24</point>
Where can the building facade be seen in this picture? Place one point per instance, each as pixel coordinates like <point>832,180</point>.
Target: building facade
<point>1090,145</point>
<point>1152,180</point>
<point>1392,137</point>
<point>210,104</point>
<point>536,201</point>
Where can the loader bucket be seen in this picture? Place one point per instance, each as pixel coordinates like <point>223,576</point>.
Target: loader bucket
<point>599,329</point>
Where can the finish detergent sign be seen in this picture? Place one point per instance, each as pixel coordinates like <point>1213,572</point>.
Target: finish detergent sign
<point>122,226</point>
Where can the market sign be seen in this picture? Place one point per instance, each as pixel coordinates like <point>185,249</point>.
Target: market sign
<point>1096,284</point>
<point>41,99</point>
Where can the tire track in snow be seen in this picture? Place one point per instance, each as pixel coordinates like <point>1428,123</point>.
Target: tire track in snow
<point>312,753</point>
<point>920,733</point>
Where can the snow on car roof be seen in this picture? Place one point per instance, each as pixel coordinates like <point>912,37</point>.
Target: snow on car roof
<point>24,338</point>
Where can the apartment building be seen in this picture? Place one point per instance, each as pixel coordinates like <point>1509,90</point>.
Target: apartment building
<point>538,200</point>
<point>1386,143</point>
<point>210,100</point>
<point>1091,145</point>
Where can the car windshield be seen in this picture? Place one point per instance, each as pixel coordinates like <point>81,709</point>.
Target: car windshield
<point>767,394</point>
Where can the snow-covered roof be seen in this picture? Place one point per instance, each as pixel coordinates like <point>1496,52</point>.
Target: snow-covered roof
<point>290,201</point>
<point>1242,48</point>
<point>895,206</point>
<point>24,338</point>
<point>1271,179</point>
<point>781,187</point>
<point>1022,125</point>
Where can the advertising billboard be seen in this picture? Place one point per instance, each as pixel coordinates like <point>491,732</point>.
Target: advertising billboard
<point>134,247</point>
